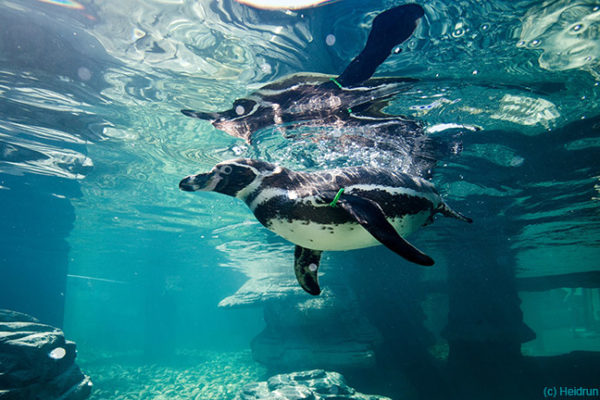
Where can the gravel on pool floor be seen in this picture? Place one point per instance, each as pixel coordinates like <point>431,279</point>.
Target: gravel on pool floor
<point>191,375</point>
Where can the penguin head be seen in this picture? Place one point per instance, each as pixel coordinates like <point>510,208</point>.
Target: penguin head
<point>245,117</point>
<point>228,177</point>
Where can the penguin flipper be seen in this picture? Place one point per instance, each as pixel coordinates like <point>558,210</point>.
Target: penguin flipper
<point>390,28</point>
<point>306,267</point>
<point>371,217</point>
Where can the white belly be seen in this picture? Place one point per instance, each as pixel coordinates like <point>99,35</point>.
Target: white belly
<point>340,237</point>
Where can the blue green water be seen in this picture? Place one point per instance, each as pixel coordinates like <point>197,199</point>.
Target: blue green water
<point>93,145</point>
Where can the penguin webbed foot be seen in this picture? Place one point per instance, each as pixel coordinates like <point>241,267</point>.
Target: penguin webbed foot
<point>306,267</point>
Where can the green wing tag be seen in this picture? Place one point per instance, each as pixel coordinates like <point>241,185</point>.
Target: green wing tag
<point>336,198</point>
<point>337,83</point>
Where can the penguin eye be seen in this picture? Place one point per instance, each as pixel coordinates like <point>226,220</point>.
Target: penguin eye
<point>243,106</point>
<point>226,170</point>
<point>240,110</point>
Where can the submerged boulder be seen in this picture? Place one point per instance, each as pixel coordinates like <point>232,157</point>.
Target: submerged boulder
<point>310,385</point>
<point>307,332</point>
<point>260,290</point>
<point>36,362</point>
<point>326,331</point>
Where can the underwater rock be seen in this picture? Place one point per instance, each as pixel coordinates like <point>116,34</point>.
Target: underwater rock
<point>257,291</point>
<point>311,385</point>
<point>316,332</point>
<point>36,362</point>
<point>305,332</point>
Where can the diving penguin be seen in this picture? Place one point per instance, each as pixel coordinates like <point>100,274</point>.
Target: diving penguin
<point>351,100</point>
<point>339,209</point>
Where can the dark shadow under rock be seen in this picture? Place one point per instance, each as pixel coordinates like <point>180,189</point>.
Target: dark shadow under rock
<point>309,385</point>
<point>36,362</point>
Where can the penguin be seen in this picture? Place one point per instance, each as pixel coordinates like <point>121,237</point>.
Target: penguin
<point>330,210</point>
<point>353,99</point>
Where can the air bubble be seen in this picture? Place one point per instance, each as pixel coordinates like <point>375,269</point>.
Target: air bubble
<point>312,267</point>
<point>58,353</point>
<point>330,40</point>
<point>535,42</point>
<point>266,68</point>
<point>238,150</point>
<point>577,28</point>
<point>239,110</point>
<point>84,74</point>
<point>458,32</point>
<point>485,27</point>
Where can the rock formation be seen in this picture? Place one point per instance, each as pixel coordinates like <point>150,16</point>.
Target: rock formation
<point>36,362</point>
<point>311,385</point>
<point>316,332</point>
<point>304,332</point>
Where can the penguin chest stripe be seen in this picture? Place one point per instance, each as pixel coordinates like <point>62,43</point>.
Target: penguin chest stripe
<point>266,195</point>
<point>305,210</point>
<point>394,191</point>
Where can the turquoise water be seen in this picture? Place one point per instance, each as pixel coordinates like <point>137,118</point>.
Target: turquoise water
<point>97,237</point>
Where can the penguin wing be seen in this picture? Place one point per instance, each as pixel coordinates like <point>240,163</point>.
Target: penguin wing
<point>306,267</point>
<point>371,217</point>
<point>389,29</point>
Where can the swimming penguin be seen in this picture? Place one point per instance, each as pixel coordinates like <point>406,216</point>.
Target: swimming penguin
<point>350,100</point>
<point>339,209</point>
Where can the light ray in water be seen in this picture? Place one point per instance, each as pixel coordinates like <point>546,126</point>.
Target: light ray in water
<point>91,278</point>
<point>65,3</point>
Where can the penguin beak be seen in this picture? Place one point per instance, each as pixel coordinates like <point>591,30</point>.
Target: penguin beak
<point>205,182</point>
<point>208,116</point>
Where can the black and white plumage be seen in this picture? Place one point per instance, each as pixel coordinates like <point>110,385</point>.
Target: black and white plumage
<point>376,206</point>
<point>351,100</point>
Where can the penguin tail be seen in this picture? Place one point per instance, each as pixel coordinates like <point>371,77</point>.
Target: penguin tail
<point>448,212</point>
